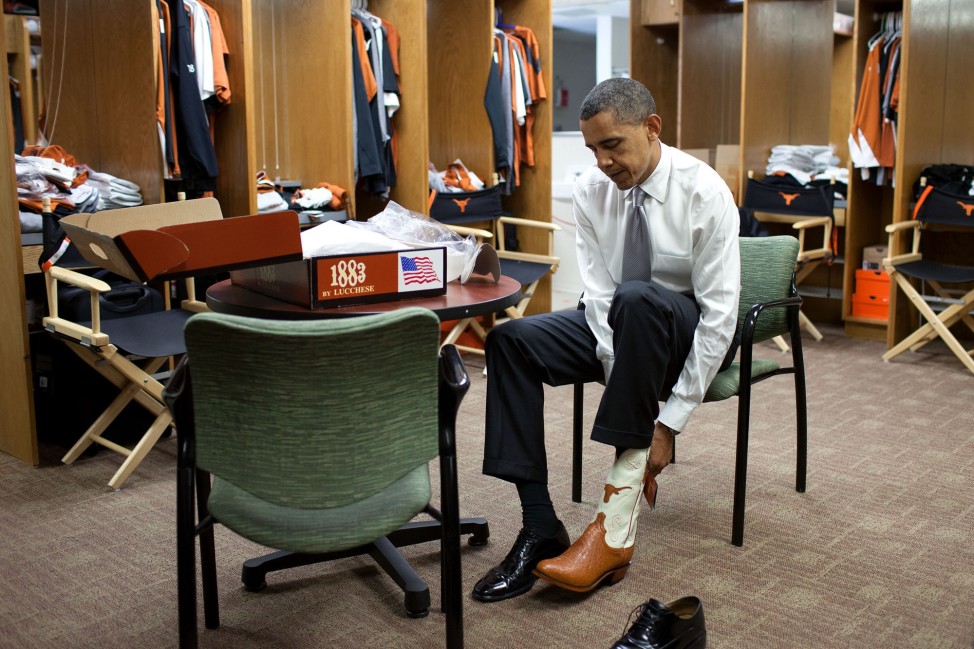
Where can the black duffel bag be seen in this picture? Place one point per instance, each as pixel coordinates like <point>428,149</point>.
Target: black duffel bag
<point>127,298</point>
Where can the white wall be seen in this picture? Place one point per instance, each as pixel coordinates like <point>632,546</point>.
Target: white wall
<point>573,67</point>
<point>611,47</point>
<point>568,157</point>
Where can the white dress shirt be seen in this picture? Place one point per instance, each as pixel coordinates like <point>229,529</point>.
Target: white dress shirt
<point>693,231</point>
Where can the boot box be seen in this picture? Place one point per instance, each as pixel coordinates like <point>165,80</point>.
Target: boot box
<point>342,280</point>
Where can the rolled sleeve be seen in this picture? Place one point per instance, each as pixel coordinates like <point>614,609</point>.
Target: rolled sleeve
<point>716,280</point>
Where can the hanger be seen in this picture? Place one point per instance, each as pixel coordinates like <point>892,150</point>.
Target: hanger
<point>881,34</point>
<point>497,20</point>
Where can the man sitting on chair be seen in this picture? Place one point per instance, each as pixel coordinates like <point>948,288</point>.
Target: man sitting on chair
<point>657,248</point>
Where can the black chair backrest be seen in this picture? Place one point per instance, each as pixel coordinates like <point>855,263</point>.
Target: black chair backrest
<point>939,207</point>
<point>793,200</point>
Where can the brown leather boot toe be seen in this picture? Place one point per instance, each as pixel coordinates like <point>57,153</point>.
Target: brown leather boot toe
<point>588,562</point>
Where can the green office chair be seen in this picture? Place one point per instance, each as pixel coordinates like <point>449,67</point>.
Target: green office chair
<point>769,307</point>
<point>318,437</point>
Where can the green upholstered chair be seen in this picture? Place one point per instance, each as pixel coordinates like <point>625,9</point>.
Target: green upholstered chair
<point>769,307</point>
<point>315,438</point>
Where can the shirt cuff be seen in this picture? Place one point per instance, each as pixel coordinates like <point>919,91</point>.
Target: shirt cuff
<point>607,364</point>
<point>676,412</point>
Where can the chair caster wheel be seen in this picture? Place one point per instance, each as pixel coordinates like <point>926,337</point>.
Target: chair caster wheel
<point>254,586</point>
<point>477,541</point>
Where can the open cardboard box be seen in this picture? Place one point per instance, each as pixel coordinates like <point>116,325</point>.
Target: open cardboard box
<point>173,240</point>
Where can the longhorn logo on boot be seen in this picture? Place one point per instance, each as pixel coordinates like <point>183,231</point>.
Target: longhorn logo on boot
<point>462,204</point>
<point>612,490</point>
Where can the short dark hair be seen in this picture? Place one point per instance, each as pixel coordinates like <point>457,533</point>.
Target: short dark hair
<point>630,101</point>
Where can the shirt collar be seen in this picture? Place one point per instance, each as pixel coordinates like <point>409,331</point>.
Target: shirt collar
<point>658,181</point>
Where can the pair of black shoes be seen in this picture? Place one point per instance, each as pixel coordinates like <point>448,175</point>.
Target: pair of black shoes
<point>677,625</point>
<point>512,576</point>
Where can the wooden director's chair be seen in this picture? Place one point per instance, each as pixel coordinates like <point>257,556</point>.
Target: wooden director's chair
<point>114,349</point>
<point>943,210</point>
<point>526,267</point>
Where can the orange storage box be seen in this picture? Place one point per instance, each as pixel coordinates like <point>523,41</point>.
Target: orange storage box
<point>872,282</point>
<point>871,299</point>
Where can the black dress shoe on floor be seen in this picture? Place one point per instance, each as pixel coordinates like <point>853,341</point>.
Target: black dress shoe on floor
<point>512,576</point>
<point>678,625</point>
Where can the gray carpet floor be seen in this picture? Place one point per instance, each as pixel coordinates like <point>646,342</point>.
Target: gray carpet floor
<point>879,553</point>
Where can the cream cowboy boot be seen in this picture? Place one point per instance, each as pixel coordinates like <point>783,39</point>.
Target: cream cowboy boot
<point>605,548</point>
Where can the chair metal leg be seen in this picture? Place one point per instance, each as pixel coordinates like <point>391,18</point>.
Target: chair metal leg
<point>801,411</point>
<point>416,594</point>
<point>211,603</point>
<point>186,559</point>
<point>740,466</point>
<point>577,412</point>
<point>450,581</point>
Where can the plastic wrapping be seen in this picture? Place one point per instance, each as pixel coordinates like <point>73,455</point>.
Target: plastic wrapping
<point>396,222</point>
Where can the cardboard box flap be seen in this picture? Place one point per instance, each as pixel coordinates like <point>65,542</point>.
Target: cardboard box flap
<point>117,253</point>
<point>147,217</point>
<point>171,240</point>
<point>237,242</point>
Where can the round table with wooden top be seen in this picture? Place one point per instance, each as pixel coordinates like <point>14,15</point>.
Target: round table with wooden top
<point>475,298</point>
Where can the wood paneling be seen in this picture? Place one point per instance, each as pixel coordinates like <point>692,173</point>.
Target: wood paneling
<point>711,46</point>
<point>787,78</point>
<point>532,199</point>
<point>654,60</point>
<point>235,144</point>
<point>412,119</point>
<point>17,436</point>
<point>303,91</point>
<point>459,50</point>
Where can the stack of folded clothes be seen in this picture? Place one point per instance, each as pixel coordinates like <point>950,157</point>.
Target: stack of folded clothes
<point>114,193</point>
<point>51,172</point>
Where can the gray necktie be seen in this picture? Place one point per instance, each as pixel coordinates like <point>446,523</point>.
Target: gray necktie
<point>636,263</point>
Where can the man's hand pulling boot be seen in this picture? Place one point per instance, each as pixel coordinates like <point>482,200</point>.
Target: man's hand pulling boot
<point>660,454</point>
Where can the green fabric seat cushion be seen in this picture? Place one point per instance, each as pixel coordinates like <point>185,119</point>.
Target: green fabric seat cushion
<point>727,383</point>
<point>320,530</point>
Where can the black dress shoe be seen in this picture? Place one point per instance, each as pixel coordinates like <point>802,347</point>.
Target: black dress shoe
<point>512,576</point>
<point>678,625</point>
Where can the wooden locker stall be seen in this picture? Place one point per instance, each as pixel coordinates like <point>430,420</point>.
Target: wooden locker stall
<point>17,435</point>
<point>654,44</point>
<point>870,207</point>
<point>459,51</point>
<point>689,54</point>
<point>787,99</point>
<point>100,60</point>
<point>412,119</point>
<point>302,95</point>
<point>711,49</point>
<point>935,125</point>
<point>787,77</point>
<point>532,199</point>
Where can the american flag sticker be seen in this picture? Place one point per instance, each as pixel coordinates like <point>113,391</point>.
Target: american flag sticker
<point>420,271</point>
